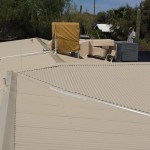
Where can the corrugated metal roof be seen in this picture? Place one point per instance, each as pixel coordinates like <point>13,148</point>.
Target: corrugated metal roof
<point>104,27</point>
<point>123,84</point>
<point>46,119</point>
<point>13,54</point>
<point>20,47</point>
<point>1,92</point>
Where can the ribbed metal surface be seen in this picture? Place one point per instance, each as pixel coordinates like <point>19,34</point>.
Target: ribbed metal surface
<point>48,120</point>
<point>122,84</point>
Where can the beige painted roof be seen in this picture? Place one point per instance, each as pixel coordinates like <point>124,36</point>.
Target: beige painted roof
<point>14,56</point>
<point>23,63</point>
<point>82,104</point>
<point>20,47</point>
<point>2,87</point>
<point>123,84</point>
<point>1,93</point>
<point>47,119</point>
<point>28,54</point>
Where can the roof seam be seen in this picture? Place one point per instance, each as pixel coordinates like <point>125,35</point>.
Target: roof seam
<point>84,96</point>
<point>86,65</point>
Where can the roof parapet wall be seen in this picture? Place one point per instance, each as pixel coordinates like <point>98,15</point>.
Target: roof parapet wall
<point>7,113</point>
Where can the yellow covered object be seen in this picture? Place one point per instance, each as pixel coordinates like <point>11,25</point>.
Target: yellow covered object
<point>67,35</point>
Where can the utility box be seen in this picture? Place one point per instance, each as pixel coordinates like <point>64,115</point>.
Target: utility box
<point>127,51</point>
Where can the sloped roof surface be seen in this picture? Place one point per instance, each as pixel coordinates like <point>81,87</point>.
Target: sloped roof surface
<point>63,106</point>
<point>20,47</point>
<point>47,119</point>
<point>1,93</point>
<point>125,84</point>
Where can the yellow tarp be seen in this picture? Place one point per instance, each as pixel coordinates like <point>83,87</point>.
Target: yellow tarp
<point>67,35</point>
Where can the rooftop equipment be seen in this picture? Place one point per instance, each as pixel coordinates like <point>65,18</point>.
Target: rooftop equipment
<point>127,51</point>
<point>65,36</point>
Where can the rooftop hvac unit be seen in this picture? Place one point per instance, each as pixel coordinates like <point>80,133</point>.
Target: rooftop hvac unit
<point>127,51</point>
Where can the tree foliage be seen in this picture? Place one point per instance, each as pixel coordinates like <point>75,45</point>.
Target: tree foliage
<point>28,18</point>
<point>145,22</point>
<point>121,19</point>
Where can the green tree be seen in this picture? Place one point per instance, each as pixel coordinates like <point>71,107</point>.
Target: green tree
<point>101,17</point>
<point>138,25</point>
<point>122,19</point>
<point>29,18</point>
<point>12,16</point>
<point>145,22</point>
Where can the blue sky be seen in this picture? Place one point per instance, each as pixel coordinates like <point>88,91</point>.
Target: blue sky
<point>104,5</point>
